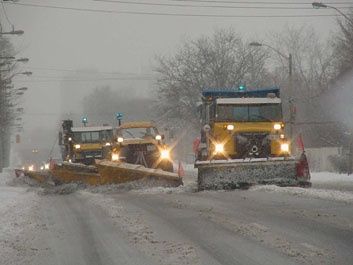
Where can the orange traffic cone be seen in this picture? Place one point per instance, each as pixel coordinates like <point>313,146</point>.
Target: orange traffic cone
<point>181,172</point>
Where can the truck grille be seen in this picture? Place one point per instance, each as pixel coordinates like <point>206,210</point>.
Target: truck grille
<point>142,147</point>
<point>92,154</point>
<point>250,144</point>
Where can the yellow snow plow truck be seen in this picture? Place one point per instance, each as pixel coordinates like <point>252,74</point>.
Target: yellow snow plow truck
<point>140,143</point>
<point>84,144</point>
<point>243,141</point>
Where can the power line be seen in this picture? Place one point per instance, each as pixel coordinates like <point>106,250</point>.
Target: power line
<point>86,80</point>
<point>78,71</point>
<point>168,14</point>
<point>259,2</point>
<point>210,6</point>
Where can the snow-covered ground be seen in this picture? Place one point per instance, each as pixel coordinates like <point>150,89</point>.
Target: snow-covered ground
<point>325,185</point>
<point>167,225</point>
<point>329,177</point>
<point>18,221</point>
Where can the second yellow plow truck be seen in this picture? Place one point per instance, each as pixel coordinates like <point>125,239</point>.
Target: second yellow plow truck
<point>243,141</point>
<point>140,143</point>
<point>138,151</point>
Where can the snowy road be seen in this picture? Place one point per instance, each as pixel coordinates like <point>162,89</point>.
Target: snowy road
<point>172,226</point>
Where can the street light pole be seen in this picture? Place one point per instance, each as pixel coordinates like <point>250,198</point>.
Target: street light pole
<point>289,58</point>
<point>322,5</point>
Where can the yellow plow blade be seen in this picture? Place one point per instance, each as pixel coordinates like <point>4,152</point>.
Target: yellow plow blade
<point>119,172</point>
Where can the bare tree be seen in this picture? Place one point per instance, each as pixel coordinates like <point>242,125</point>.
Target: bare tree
<point>313,70</point>
<point>312,62</point>
<point>343,44</point>
<point>223,60</point>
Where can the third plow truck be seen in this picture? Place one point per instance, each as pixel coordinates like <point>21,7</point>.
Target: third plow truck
<point>243,141</point>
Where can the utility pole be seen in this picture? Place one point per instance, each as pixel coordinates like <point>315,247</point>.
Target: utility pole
<point>291,105</point>
<point>289,58</point>
<point>350,154</point>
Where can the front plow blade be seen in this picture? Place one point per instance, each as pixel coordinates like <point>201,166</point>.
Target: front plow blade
<point>238,173</point>
<point>119,172</point>
<point>78,173</point>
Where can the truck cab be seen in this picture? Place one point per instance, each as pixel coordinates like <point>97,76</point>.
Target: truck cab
<point>140,142</point>
<point>242,124</point>
<point>84,144</point>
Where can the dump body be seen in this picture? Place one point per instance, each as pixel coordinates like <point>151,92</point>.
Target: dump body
<point>243,140</point>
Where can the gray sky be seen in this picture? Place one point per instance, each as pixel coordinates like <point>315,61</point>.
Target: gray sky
<point>127,43</point>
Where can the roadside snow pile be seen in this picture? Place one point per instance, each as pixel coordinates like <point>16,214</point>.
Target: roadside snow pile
<point>324,177</point>
<point>186,188</point>
<point>7,175</point>
<point>61,189</point>
<point>138,185</point>
<point>18,221</point>
<point>333,195</point>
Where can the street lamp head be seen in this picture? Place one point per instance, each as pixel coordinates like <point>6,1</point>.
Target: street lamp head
<point>22,60</point>
<point>22,88</point>
<point>19,93</point>
<point>318,5</point>
<point>7,57</point>
<point>14,32</point>
<point>256,44</point>
<point>18,32</point>
<point>26,73</point>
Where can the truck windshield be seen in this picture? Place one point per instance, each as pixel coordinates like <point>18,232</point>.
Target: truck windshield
<point>93,137</point>
<point>250,113</point>
<point>138,132</point>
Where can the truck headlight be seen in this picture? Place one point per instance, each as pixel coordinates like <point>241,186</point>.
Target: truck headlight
<point>120,139</point>
<point>77,146</point>
<point>230,127</point>
<point>277,126</point>
<point>285,148</point>
<point>165,154</point>
<point>219,148</point>
<point>115,157</point>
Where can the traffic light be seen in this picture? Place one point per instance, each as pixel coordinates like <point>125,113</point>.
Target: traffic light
<point>84,121</point>
<point>119,115</point>
<point>242,87</point>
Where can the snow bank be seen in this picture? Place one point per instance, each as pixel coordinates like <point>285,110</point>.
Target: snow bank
<point>333,195</point>
<point>6,176</point>
<point>324,177</point>
<point>190,187</point>
<point>18,222</point>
